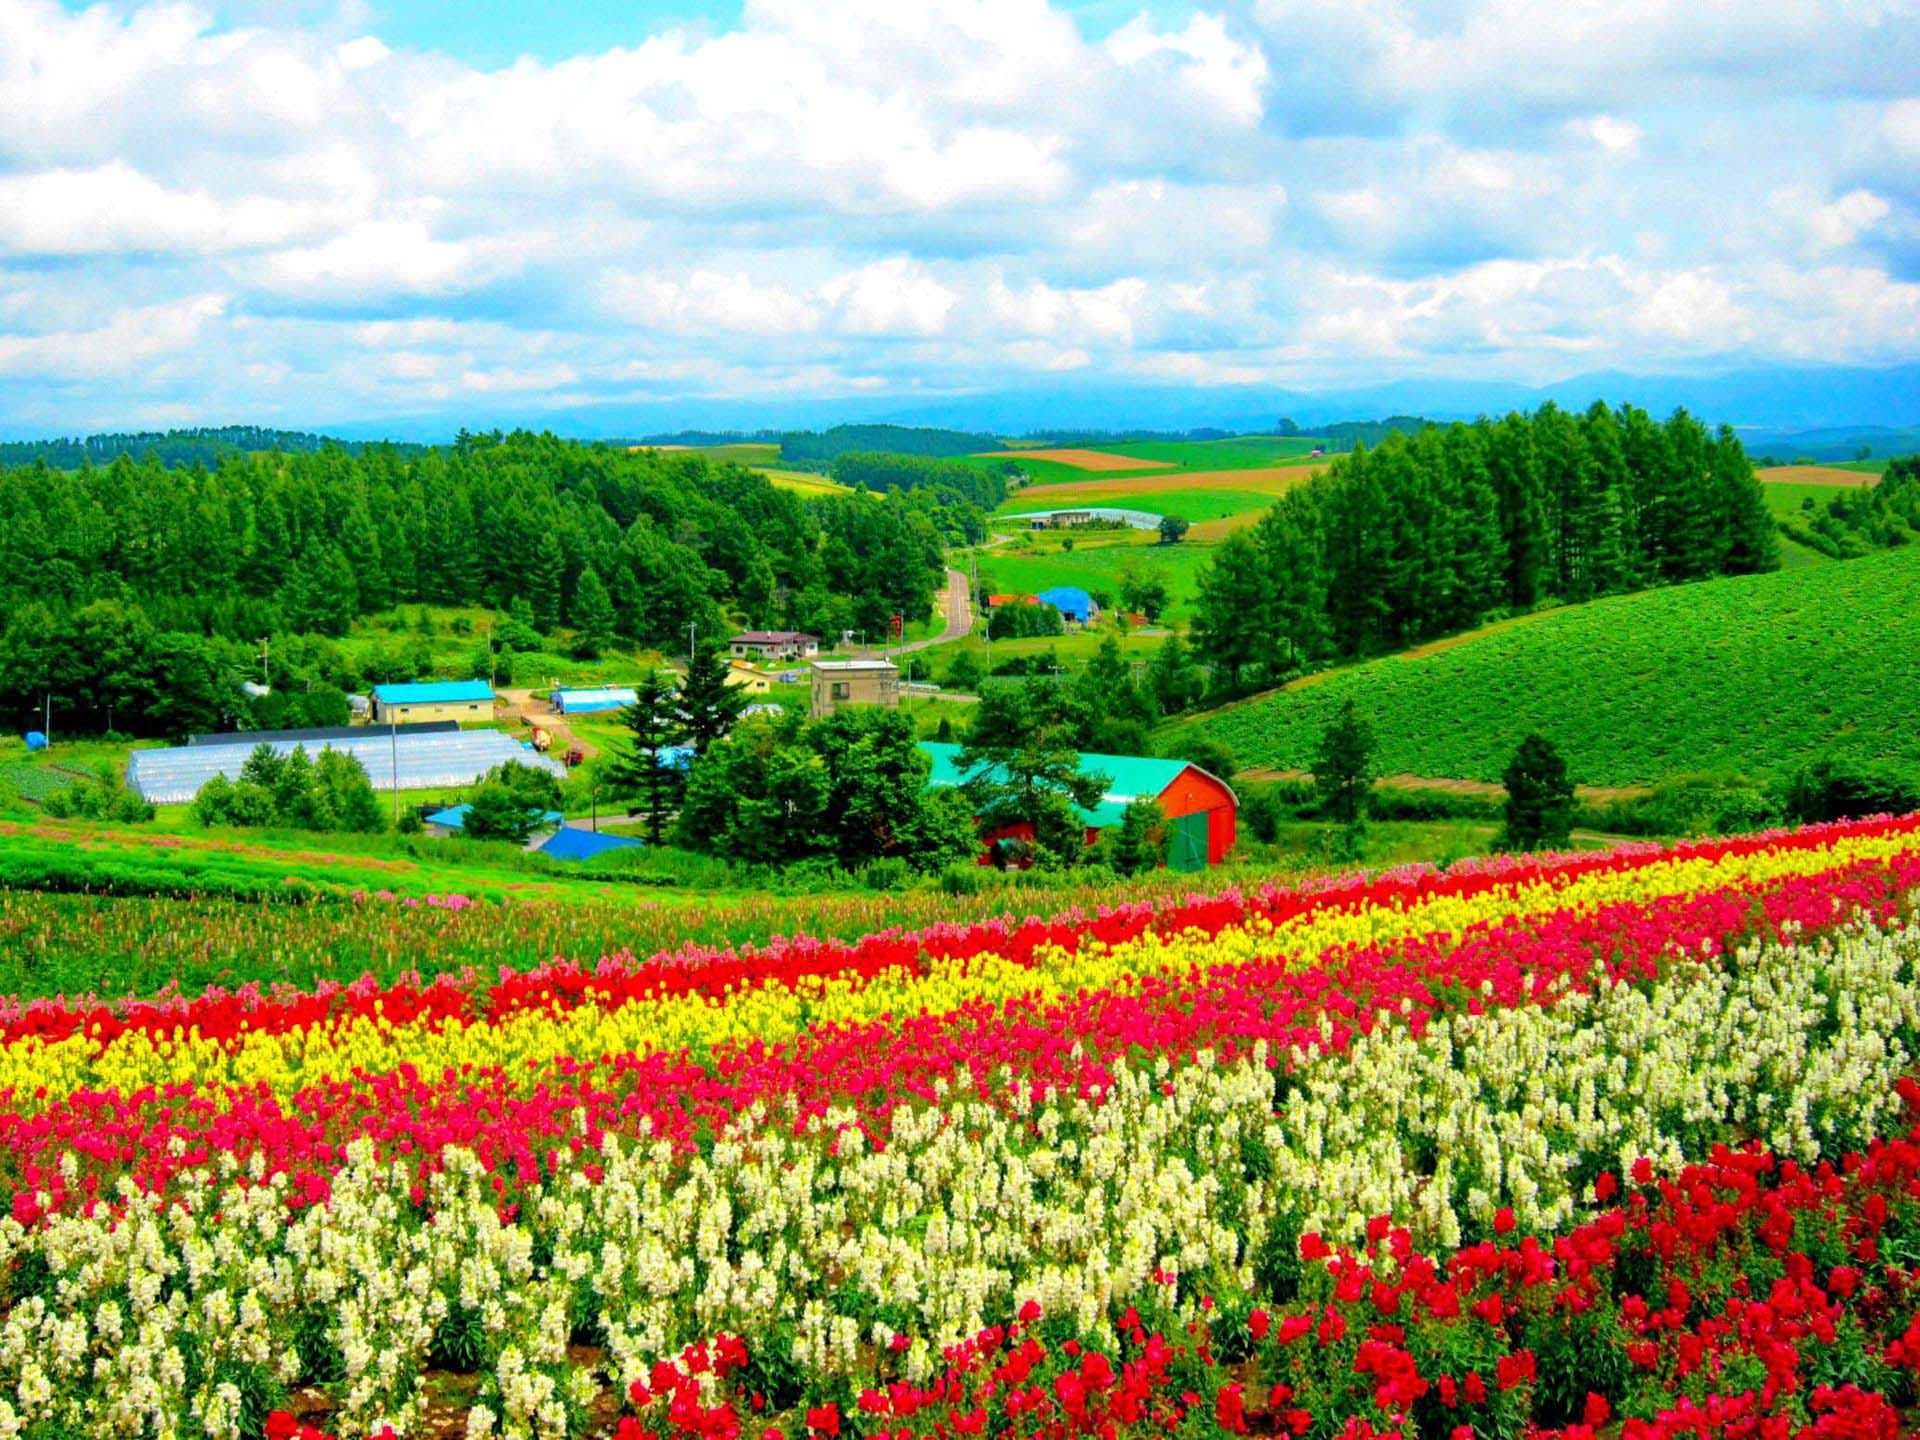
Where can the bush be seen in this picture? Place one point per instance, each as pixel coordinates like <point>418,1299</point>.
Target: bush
<point>963,878</point>
<point>1831,789</point>
<point>102,797</point>
<point>887,874</point>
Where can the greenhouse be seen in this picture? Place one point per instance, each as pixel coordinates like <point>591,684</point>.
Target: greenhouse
<point>433,761</point>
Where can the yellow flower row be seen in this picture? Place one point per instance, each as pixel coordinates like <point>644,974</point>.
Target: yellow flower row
<point>775,1012</point>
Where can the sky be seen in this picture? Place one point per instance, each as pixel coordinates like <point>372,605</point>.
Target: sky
<point>305,214</point>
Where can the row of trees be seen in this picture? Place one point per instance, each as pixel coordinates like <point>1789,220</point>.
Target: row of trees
<point>329,791</point>
<point>1857,521</point>
<point>983,485</point>
<point>1443,528</point>
<point>623,547</point>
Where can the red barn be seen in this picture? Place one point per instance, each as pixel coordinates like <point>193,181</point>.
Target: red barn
<point>1201,808</point>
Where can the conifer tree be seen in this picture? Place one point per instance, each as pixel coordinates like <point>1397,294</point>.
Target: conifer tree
<point>646,769</point>
<point>709,706</point>
<point>1539,811</point>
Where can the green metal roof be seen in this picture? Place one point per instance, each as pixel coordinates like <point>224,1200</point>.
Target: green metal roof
<point>1129,778</point>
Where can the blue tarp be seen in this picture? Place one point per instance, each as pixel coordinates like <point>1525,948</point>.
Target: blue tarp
<point>455,817</point>
<point>569,843</point>
<point>1070,600</point>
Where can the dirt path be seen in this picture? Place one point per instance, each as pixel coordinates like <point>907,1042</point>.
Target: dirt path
<point>529,711</point>
<point>1492,790</point>
<point>959,615</point>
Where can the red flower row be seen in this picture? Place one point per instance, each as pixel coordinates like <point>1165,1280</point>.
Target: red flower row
<point>222,1013</point>
<point>514,1121</point>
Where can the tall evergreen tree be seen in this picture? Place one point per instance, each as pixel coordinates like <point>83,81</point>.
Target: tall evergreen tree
<point>709,706</point>
<point>593,617</point>
<point>644,769</point>
<point>1343,766</point>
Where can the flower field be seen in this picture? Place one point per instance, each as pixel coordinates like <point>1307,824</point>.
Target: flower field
<point>1612,1144</point>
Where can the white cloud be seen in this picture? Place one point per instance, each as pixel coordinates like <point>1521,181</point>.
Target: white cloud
<point>1229,74</point>
<point>379,257</point>
<point>710,300</point>
<point>114,208</point>
<point>126,342</point>
<point>896,296</point>
<point>944,195</point>
<point>1613,135</point>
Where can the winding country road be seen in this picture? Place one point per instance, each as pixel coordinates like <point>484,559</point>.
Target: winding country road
<point>959,615</point>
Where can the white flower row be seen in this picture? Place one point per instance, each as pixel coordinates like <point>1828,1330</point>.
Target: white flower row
<point>970,1207</point>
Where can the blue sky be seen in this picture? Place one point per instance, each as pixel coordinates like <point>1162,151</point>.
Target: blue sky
<point>298,212</point>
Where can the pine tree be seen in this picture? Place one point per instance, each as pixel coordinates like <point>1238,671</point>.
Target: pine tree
<point>592,615</point>
<point>1539,811</point>
<point>710,707</point>
<point>1173,680</point>
<point>1343,766</point>
<point>543,583</point>
<point>646,769</point>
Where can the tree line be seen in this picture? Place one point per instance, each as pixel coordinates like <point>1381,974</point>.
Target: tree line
<point>1444,528</point>
<point>200,445</point>
<point>1856,522</point>
<point>195,562</point>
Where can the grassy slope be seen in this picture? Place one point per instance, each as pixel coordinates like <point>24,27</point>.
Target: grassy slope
<point>1752,674</point>
<point>1041,564</point>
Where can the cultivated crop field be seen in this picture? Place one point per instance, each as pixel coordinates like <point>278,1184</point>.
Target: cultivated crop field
<point>1517,1147</point>
<point>1197,495</point>
<point>1754,675</point>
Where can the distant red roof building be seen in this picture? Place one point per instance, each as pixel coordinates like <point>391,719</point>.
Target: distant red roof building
<point>994,602</point>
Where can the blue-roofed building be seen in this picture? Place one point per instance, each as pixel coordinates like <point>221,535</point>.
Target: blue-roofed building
<point>453,820</point>
<point>433,700</point>
<point>570,842</point>
<point>1071,601</point>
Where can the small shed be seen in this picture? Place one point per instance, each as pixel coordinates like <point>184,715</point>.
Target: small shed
<point>1071,601</point>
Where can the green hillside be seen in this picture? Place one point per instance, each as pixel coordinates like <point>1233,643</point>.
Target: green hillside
<point>1753,674</point>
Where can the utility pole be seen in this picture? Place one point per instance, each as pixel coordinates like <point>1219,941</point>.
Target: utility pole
<point>46,725</point>
<point>393,740</point>
<point>266,681</point>
<point>693,628</point>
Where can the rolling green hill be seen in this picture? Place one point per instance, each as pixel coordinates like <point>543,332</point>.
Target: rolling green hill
<point>1754,674</point>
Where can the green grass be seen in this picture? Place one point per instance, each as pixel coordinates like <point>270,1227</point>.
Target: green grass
<point>1755,675</point>
<point>1040,564</point>
<point>1242,452</point>
<point>460,633</point>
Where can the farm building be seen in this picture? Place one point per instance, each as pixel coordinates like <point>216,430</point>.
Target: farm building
<point>453,820</point>
<point>994,602</point>
<point>774,645</point>
<point>430,760</point>
<point>854,682</point>
<point>593,699</point>
<point>570,842</point>
<point>742,676</point>
<point>433,700</point>
<point>1201,809</point>
<point>1071,601</point>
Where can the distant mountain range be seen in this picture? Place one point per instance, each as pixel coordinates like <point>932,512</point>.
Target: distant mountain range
<point>1769,400</point>
<point>1823,413</point>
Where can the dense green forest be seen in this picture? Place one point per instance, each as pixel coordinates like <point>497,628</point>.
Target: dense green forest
<point>984,485</point>
<point>202,446</point>
<point>143,588</point>
<point>819,449</point>
<point>1443,528</point>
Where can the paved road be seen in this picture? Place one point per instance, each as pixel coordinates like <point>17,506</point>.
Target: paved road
<point>959,615</point>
